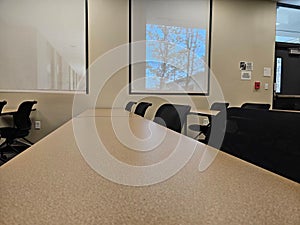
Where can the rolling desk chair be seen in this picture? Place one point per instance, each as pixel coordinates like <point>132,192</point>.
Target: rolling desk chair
<point>20,129</point>
<point>129,106</point>
<point>172,116</point>
<point>141,108</point>
<point>203,129</point>
<point>2,104</point>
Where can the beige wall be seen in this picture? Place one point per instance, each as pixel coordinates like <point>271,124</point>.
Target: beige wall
<point>52,109</point>
<point>242,30</point>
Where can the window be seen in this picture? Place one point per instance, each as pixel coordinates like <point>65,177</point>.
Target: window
<point>278,75</point>
<point>172,54</point>
<point>43,45</point>
<point>288,24</point>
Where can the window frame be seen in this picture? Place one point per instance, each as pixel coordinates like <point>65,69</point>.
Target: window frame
<point>131,92</point>
<point>86,52</point>
<point>285,5</point>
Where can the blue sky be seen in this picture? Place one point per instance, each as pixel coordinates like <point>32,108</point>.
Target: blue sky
<point>177,56</point>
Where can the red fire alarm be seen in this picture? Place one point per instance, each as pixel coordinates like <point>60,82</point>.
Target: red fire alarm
<point>257,85</point>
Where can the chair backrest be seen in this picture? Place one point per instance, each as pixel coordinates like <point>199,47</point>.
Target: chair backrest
<point>172,116</point>
<point>129,105</point>
<point>220,106</point>
<point>266,138</point>
<point>2,104</point>
<point>21,117</point>
<point>250,105</point>
<point>141,108</point>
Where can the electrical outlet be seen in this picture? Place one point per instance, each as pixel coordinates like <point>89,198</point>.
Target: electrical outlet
<point>37,125</point>
<point>205,121</point>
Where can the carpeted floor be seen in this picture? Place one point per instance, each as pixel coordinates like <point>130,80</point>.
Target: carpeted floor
<point>9,153</point>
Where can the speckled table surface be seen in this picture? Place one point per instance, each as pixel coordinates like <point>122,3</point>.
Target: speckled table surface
<point>53,182</point>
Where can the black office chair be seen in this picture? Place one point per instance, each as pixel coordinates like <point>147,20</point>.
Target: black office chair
<point>2,104</point>
<point>20,129</point>
<point>261,106</point>
<point>172,116</point>
<point>129,106</point>
<point>141,108</point>
<point>203,129</point>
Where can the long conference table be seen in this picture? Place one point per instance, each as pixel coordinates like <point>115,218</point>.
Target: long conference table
<point>113,167</point>
<point>11,111</point>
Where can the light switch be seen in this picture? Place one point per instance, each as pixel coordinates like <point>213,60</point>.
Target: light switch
<point>266,86</point>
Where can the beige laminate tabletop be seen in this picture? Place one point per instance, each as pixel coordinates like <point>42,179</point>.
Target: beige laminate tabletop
<point>284,110</point>
<point>204,112</point>
<point>105,112</point>
<point>51,183</point>
<point>9,111</point>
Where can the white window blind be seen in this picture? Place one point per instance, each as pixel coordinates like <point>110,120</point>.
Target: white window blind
<point>174,55</point>
<point>42,45</point>
<point>288,24</point>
